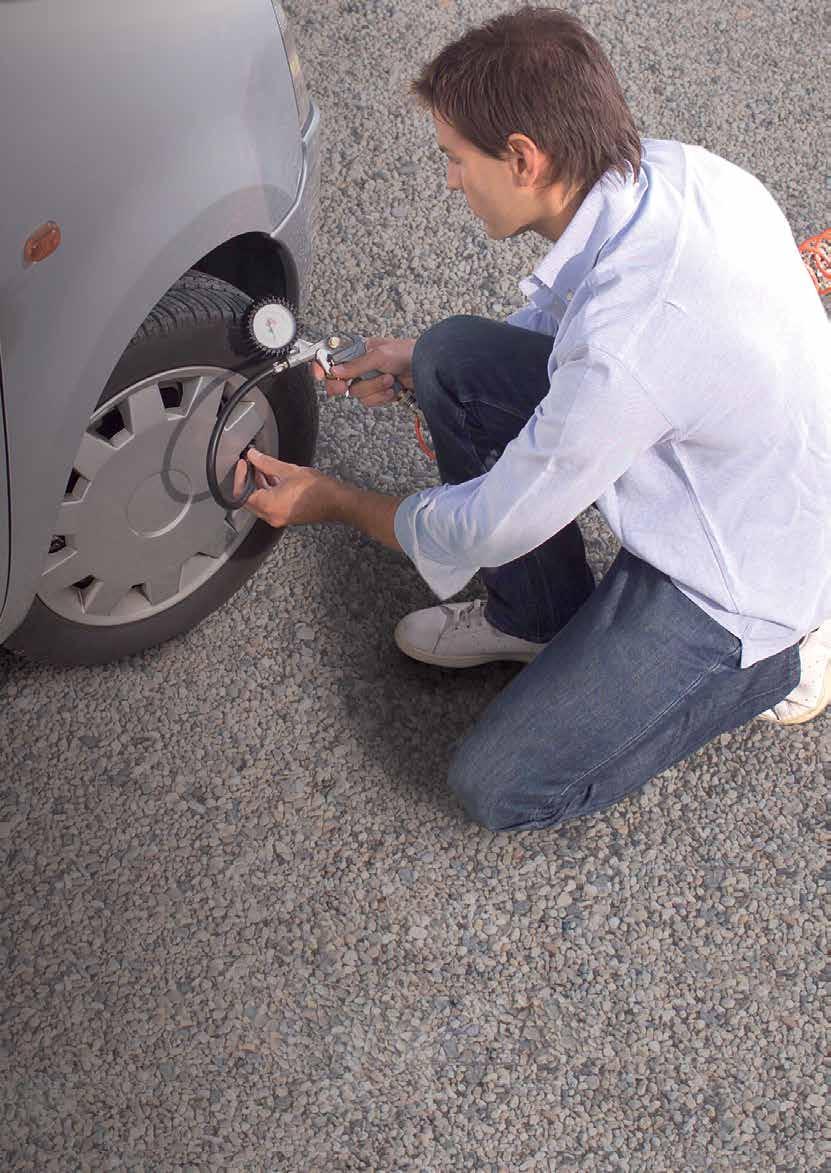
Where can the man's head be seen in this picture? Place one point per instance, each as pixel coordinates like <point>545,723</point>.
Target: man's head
<point>530,114</point>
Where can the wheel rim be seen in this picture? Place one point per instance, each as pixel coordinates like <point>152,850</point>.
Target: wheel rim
<point>137,530</point>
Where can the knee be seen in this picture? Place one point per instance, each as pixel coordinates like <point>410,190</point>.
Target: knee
<point>485,792</point>
<point>440,342</point>
<point>436,354</point>
<point>505,788</point>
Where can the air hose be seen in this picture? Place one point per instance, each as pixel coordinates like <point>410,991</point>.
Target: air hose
<point>232,503</point>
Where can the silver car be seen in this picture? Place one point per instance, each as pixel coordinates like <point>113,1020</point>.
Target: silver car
<point>158,173</point>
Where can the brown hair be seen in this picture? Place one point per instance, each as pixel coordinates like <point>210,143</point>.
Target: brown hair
<point>538,72</point>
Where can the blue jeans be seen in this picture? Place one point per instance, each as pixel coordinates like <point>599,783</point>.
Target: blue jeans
<point>634,676</point>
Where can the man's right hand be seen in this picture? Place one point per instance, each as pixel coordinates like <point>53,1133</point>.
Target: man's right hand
<point>392,356</point>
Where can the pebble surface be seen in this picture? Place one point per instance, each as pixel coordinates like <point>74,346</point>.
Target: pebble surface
<point>244,924</point>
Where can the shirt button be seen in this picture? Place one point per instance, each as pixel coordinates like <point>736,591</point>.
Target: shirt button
<point>570,295</point>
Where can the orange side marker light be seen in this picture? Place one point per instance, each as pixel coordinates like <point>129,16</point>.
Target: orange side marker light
<point>42,243</point>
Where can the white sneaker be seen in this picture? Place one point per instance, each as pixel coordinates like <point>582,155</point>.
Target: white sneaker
<point>457,635</point>
<point>813,692</point>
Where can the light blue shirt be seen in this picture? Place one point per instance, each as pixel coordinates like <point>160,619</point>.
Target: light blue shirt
<point>689,397</point>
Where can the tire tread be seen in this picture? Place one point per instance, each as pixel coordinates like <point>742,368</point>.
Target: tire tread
<point>197,298</point>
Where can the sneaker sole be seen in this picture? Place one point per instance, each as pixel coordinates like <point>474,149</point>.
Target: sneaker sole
<point>821,706</point>
<point>462,661</point>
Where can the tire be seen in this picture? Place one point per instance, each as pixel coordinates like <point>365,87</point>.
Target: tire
<point>198,322</point>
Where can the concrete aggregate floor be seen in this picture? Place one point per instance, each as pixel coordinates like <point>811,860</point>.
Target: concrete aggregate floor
<point>245,926</point>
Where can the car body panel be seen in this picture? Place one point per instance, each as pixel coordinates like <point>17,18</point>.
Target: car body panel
<point>151,134</point>
<point>5,544</point>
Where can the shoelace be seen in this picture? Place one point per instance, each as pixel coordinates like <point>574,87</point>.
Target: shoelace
<point>470,614</point>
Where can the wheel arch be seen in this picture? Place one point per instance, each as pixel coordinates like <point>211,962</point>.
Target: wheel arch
<point>255,263</point>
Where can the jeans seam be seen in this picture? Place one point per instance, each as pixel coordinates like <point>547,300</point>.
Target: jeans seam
<point>472,403</point>
<point>636,737</point>
<point>464,435</point>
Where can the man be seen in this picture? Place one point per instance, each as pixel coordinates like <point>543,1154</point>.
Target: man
<point>659,370</point>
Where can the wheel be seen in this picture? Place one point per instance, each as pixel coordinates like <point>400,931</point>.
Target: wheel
<point>141,552</point>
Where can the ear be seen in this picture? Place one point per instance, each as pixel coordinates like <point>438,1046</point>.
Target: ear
<point>527,161</point>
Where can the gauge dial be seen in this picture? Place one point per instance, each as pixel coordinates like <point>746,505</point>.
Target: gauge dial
<point>273,326</point>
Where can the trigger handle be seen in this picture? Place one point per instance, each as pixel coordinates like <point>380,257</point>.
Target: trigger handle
<point>353,346</point>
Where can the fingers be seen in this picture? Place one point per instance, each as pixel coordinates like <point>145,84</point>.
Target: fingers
<point>369,392</point>
<point>258,504</point>
<point>350,370</point>
<point>381,398</point>
<point>265,480</point>
<point>261,480</point>
<point>376,358</point>
<point>357,366</point>
<point>239,477</point>
<point>270,466</point>
<point>268,472</point>
<point>331,385</point>
<point>377,392</point>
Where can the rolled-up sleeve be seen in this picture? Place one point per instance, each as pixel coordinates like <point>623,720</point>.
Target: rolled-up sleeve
<point>531,317</point>
<point>538,311</point>
<point>594,422</point>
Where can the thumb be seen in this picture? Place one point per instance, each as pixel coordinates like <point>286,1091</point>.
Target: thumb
<point>267,464</point>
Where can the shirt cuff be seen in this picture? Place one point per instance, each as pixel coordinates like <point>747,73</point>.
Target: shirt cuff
<point>444,579</point>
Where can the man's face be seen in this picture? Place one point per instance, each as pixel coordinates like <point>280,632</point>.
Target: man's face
<point>488,183</point>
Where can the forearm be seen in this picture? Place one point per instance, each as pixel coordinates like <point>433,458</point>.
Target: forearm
<point>372,513</point>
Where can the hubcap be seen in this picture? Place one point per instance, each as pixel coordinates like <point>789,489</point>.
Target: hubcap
<point>137,530</point>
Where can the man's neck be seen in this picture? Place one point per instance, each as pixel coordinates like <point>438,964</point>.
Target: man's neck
<point>555,220</point>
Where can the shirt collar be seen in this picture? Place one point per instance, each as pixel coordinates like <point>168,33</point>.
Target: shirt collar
<point>608,207</point>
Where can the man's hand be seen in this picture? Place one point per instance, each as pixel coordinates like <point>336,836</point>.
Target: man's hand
<point>291,494</point>
<point>286,494</point>
<point>392,356</point>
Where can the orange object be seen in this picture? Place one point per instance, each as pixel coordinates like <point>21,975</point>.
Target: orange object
<point>816,253</point>
<point>422,445</point>
<point>42,242</point>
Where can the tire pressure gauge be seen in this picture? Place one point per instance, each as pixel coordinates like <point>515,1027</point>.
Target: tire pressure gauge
<point>272,326</point>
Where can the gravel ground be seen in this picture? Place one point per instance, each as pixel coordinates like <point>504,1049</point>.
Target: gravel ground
<point>246,926</point>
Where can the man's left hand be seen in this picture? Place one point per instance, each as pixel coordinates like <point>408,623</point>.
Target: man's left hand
<point>286,494</point>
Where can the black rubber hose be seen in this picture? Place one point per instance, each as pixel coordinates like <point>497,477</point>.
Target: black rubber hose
<point>248,488</point>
